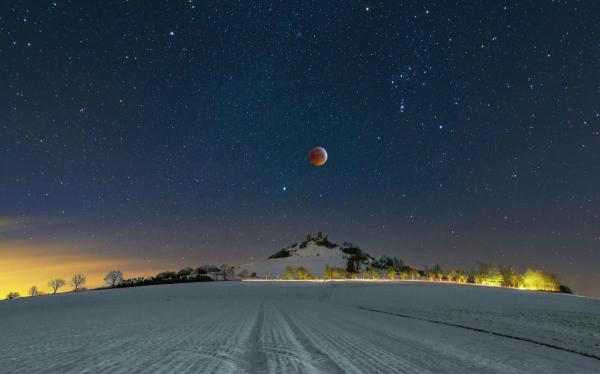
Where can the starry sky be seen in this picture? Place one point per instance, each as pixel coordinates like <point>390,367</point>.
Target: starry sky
<point>148,136</point>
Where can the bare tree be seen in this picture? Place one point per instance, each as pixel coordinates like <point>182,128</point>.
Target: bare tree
<point>227,271</point>
<point>55,284</point>
<point>33,291</point>
<point>113,278</point>
<point>78,281</point>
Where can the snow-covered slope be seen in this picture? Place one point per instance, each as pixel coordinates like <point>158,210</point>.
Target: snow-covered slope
<point>314,255</point>
<point>281,327</point>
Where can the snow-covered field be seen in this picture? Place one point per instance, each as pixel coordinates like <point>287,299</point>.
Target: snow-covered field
<point>296,327</point>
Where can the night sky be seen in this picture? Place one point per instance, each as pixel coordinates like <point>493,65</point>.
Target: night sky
<point>148,136</point>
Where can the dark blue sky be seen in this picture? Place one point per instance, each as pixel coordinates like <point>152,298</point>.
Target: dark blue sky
<point>177,132</point>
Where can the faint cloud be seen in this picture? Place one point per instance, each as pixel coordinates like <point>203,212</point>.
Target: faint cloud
<point>13,224</point>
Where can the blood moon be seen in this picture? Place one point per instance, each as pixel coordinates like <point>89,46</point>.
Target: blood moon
<point>317,156</point>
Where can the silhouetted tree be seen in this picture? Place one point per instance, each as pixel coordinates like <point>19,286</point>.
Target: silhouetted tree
<point>487,274</point>
<point>409,273</point>
<point>390,272</point>
<point>384,262</point>
<point>302,273</point>
<point>435,273</point>
<point>351,266</point>
<point>414,273</point>
<point>113,278</point>
<point>227,271</point>
<point>540,280</point>
<point>166,276</point>
<point>77,281</point>
<point>55,284</point>
<point>452,275</point>
<point>33,291</point>
<point>398,265</point>
<point>462,277</point>
<point>565,289</point>
<point>358,264</point>
<point>13,295</point>
<point>186,272</point>
<point>370,273</point>
<point>289,273</point>
<point>334,273</point>
<point>510,277</point>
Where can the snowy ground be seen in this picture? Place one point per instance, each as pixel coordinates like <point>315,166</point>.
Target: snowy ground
<point>280,327</point>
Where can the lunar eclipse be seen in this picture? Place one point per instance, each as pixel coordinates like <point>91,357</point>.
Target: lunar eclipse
<point>317,156</point>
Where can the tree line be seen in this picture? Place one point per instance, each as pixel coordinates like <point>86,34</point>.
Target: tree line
<point>77,282</point>
<point>484,274</point>
<point>385,268</point>
<point>115,279</point>
<point>500,276</point>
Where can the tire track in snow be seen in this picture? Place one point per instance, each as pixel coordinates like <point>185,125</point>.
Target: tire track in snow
<point>410,349</point>
<point>334,332</point>
<point>274,346</point>
<point>319,362</point>
<point>285,354</point>
<point>254,357</point>
<point>365,344</point>
<point>223,349</point>
<point>589,355</point>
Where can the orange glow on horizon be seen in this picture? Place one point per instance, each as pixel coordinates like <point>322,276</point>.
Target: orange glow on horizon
<point>24,264</point>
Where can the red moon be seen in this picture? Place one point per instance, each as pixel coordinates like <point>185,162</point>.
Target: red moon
<point>317,156</point>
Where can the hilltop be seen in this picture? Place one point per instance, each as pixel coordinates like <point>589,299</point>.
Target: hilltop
<point>314,254</point>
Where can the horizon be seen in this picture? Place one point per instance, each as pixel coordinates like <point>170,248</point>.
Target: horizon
<point>95,277</point>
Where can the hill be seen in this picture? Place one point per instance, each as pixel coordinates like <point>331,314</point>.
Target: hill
<point>314,254</point>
